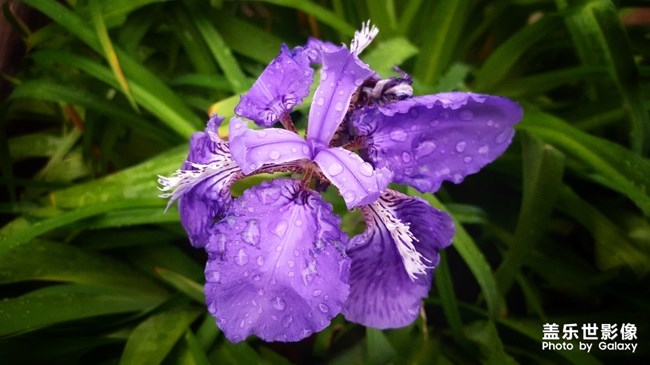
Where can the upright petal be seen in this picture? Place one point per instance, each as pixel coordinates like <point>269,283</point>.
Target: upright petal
<point>342,73</point>
<point>202,185</point>
<point>393,260</point>
<point>282,85</point>
<point>428,139</point>
<point>358,182</point>
<point>276,266</point>
<point>253,149</point>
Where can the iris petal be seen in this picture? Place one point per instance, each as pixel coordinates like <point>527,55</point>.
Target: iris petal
<point>282,85</point>
<point>358,182</point>
<point>385,289</point>
<point>202,185</point>
<point>253,149</point>
<point>342,73</point>
<point>429,139</point>
<point>276,266</point>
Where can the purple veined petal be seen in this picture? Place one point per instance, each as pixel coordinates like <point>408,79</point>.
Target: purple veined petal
<point>276,267</point>
<point>282,85</point>
<point>253,149</point>
<point>341,74</point>
<point>426,140</point>
<point>202,185</point>
<point>358,182</point>
<point>393,260</point>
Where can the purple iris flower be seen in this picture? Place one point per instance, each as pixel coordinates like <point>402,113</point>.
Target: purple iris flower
<point>279,267</point>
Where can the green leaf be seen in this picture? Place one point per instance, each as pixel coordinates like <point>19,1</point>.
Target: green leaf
<point>600,40</point>
<point>501,61</point>
<point>380,351</point>
<point>153,339</point>
<point>389,53</point>
<point>185,285</point>
<point>604,162</point>
<point>49,261</point>
<point>248,39</point>
<point>61,303</point>
<point>221,52</point>
<point>543,167</point>
<point>473,257</point>
<point>319,12</point>
<point>614,247</point>
<point>445,287</point>
<point>485,335</point>
<point>444,26</point>
<point>153,93</point>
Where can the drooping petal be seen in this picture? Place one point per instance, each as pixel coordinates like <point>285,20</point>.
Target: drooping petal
<point>253,149</point>
<point>202,185</point>
<point>393,260</point>
<point>428,139</point>
<point>282,85</point>
<point>358,182</point>
<point>276,266</point>
<point>342,73</point>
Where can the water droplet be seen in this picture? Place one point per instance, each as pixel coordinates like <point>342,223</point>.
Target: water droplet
<point>335,168</point>
<point>291,274</point>
<point>443,171</point>
<point>323,75</point>
<point>466,115</point>
<point>291,263</point>
<point>256,277</point>
<point>242,323</point>
<point>323,308</point>
<point>413,113</point>
<point>467,159</point>
<point>358,82</point>
<point>305,149</point>
<point>251,233</point>
<point>349,196</point>
<point>406,157</point>
<point>503,136</point>
<point>316,292</point>
<point>339,107</point>
<point>490,122</point>
<point>216,276</point>
<point>457,178</point>
<point>278,303</point>
<point>424,149</point>
<point>366,169</point>
<point>242,258</point>
<point>294,150</point>
<point>483,150</point>
<point>460,146</point>
<point>260,261</point>
<point>287,320</point>
<point>341,92</point>
<point>261,134</point>
<point>260,292</point>
<point>280,228</point>
<point>298,223</point>
<point>296,253</point>
<point>252,166</point>
<point>320,101</point>
<point>274,155</point>
<point>398,135</point>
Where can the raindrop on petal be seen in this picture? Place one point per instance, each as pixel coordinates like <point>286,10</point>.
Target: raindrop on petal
<point>424,149</point>
<point>278,303</point>
<point>460,146</point>
<point>242,258</point>
<point>366,169</point>
<point>466,115</point>
<point>406,157</point>
<point>323,308</point>
<point>335,168</point>
<point>274,155</point>
<point>398,135</point>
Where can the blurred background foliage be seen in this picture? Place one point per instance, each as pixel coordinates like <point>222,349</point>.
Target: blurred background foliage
<point>99,97</point>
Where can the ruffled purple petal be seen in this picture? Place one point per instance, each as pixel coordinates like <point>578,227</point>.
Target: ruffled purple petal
<point>358,182</point>
<point>202,185</point>
<point>253,149</point>
<point>393,260</point>
<point>429,139</point>
<point>282,85</point>
<point>342,73</point>
<point>276,266</point>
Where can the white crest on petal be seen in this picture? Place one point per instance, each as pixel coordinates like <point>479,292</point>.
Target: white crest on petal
<point>363,38</point>
<point>181,181</point>
<point>414,263</point>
